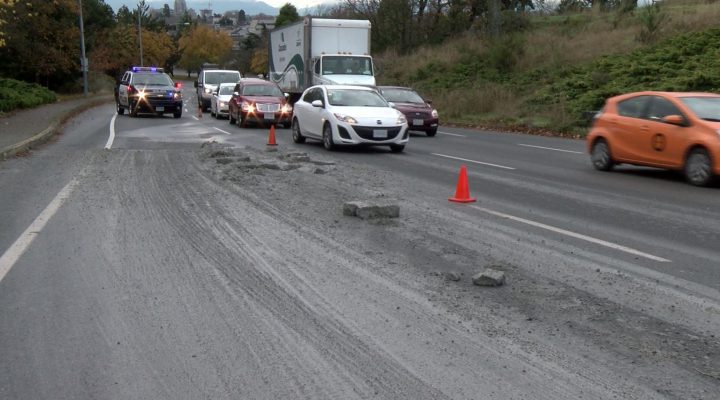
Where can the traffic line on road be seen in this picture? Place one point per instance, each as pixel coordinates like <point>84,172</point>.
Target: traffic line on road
<point>472,161</point>
<point>196,118</point>
<point>451,134</point>
<point>111,139</point>
<point>550,148</point>
<point>573,235</point>
<point>225,132</point>
<point>13,254</point>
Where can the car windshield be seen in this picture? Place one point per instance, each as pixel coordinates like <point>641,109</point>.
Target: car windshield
<point>152,79</point>
<point>261,90</point>
<point>355,98</point>
<point>215,77</point>
<point>402,96</point>
<point>225,90</point>
<point>707,108</point>
<point>346,65</point>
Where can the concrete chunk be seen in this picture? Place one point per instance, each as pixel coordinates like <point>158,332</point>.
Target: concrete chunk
<point>368,210</point>
<point>489,277</point>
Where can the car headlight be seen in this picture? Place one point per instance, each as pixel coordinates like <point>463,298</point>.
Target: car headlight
<point>208,90</point>
<point>141,95</point>
<point>401,120</point>
<point>247,107</point>
<point>222,104</point>
<point>345,118</point>
<point>177,95</point>
<point>434,113</point>
<point>286,109</point>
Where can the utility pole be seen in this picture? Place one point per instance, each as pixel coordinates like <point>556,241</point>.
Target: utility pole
<point>83,60</point>
<point>140,32</point>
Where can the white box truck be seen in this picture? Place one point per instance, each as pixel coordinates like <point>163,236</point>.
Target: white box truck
<point>320,51</point>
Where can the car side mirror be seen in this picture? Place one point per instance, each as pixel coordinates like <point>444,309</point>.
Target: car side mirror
<point>196,83</point>
<point>236,93</point>
<point>391,104</point>
<point>317,103</point>
<point>675,120</point>
<point>287,95</point>
<point>428,101</point>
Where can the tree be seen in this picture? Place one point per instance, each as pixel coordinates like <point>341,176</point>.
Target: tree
<point>42,42</point>
<point>287,15</point>
<point>5,7</point>
<point>202,44</point>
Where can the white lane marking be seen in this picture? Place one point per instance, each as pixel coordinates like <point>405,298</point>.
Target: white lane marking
<point>225,132</point>
<point>196,118</point>
<point>10,257</point>
<point>451,134</point>
<point>111,139</point>
<point>574,235</point>
<point>550,148</point>
<point>472,161</point>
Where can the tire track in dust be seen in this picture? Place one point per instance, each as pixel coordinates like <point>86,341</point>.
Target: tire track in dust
<point>364,367</point>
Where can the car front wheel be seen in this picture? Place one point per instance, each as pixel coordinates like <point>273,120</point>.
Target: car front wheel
<point>231,120</point>
<point>120,109</point>
<point>296,134</point>
<point>432,132</point>
<point>327,138</point>
<point>600,156</point>
<point>698,168</point>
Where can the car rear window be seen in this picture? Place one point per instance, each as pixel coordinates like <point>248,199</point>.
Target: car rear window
<point>634,107</point>
<point>213,77</point>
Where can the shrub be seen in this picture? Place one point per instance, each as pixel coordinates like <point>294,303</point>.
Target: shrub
<point>17,94</point>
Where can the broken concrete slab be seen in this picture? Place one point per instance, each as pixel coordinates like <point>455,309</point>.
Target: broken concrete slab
<point>489,277</point>
<point>371,210</point>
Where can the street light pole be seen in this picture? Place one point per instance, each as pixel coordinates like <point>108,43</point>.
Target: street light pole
<point>83,60</point>
<point>140,34</point>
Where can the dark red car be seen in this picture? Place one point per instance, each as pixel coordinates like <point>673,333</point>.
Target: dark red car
<point>259,102</point>
<point>420,114</point>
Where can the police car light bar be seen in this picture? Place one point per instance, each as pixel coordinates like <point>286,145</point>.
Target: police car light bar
<point>147,69</point>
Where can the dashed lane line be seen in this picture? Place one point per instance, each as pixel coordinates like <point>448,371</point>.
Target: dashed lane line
<point>575,235</point>
<point>451,134</point>
<point>225,132</point>
<point>472,161</point>
<point>550,148</point>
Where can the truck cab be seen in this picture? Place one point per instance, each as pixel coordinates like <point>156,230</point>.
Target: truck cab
<point>343,69</point>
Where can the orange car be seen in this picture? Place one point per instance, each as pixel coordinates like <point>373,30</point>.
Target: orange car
<point>679,131</point>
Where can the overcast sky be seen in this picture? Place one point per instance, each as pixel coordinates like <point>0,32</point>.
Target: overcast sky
<point>115,4</point>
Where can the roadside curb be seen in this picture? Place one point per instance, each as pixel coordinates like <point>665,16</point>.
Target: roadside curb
<point>52,129</point>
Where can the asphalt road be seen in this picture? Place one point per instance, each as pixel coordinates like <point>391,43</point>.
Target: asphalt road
<point>128,269</point>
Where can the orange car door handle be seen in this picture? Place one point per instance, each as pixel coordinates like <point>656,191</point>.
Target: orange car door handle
<point>644,128</point>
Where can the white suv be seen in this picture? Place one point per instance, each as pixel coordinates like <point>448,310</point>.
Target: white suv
<point>208,81</point>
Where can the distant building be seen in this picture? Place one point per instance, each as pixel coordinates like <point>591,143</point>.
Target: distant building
<point>180,7</point>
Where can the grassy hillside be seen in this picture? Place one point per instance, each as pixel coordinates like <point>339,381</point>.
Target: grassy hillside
<point>551,69</point>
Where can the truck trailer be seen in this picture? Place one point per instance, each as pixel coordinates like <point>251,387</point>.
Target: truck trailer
<point>320,51</point>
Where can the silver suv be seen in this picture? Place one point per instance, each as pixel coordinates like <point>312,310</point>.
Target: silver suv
<point>209,80</point>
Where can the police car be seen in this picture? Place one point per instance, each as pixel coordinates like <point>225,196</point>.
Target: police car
<point>148,89</point>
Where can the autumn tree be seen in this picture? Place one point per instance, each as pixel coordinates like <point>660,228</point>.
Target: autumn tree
<point>41,42</point>
<point>202,44</point>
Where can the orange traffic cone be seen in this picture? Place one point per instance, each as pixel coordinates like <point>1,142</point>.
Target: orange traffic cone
<point>462,193</point>
<point>271,138</point>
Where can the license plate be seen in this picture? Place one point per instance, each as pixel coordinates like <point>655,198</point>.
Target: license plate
<point>159,108</point>
<point>418,122</point>
<point>269,116</point>
<point>380,133</point>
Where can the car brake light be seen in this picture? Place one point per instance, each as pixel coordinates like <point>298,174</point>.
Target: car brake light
<point>178,85</point>
<point>131,89</point>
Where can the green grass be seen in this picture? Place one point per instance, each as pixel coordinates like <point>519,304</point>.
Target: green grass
<point>17,94</point>
<point>548,75</point>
